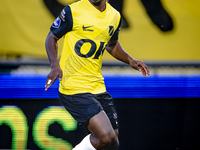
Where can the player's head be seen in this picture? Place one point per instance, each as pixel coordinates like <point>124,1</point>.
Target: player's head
<point>96,2</point>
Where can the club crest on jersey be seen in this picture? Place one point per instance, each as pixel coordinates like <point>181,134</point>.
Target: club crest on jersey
<point>56,23</point>
<point>111,30</point>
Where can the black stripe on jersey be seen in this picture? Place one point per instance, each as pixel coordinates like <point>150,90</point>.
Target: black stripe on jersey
<point>116,34</point>
<point>66,23</point>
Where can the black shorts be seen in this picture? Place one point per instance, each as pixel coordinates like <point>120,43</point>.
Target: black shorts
<point>84,106</point>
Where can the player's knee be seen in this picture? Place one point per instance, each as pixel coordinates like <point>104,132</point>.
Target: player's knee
<point>115,143</point>
<point>109,139</point>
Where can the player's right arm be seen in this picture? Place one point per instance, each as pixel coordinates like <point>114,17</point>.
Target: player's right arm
<point>59,28</point>
<point>51,49</point>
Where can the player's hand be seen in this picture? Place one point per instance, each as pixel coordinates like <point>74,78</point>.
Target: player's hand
<point>55,73</point>
<point>140,66</point>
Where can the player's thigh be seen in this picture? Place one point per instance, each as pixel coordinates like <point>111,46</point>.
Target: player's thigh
<point>100,125</point>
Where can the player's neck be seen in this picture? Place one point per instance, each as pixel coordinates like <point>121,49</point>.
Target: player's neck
<point>101,5</point>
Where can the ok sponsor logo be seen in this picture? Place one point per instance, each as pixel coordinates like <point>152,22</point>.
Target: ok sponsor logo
<point>92,49</point>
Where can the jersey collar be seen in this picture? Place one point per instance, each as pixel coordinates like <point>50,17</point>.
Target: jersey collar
<point>95,10</point>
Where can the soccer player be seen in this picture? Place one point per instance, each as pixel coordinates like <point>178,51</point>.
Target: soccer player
<point>89,27</point>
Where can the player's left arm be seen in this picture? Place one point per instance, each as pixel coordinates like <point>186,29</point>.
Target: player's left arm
<point>115,49</point>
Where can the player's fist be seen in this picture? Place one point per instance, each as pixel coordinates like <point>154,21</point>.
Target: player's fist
<point>55,73</point>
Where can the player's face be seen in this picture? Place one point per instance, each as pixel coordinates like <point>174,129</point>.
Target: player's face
<point>95,1</point>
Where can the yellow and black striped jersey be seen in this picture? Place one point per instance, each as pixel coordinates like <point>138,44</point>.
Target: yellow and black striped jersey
<point>86,33</point>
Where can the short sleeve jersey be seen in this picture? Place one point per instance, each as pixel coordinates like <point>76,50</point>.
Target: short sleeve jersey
<point>86,33</point>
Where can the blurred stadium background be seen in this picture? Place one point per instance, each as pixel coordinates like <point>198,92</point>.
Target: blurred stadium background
<point>159,112</point>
